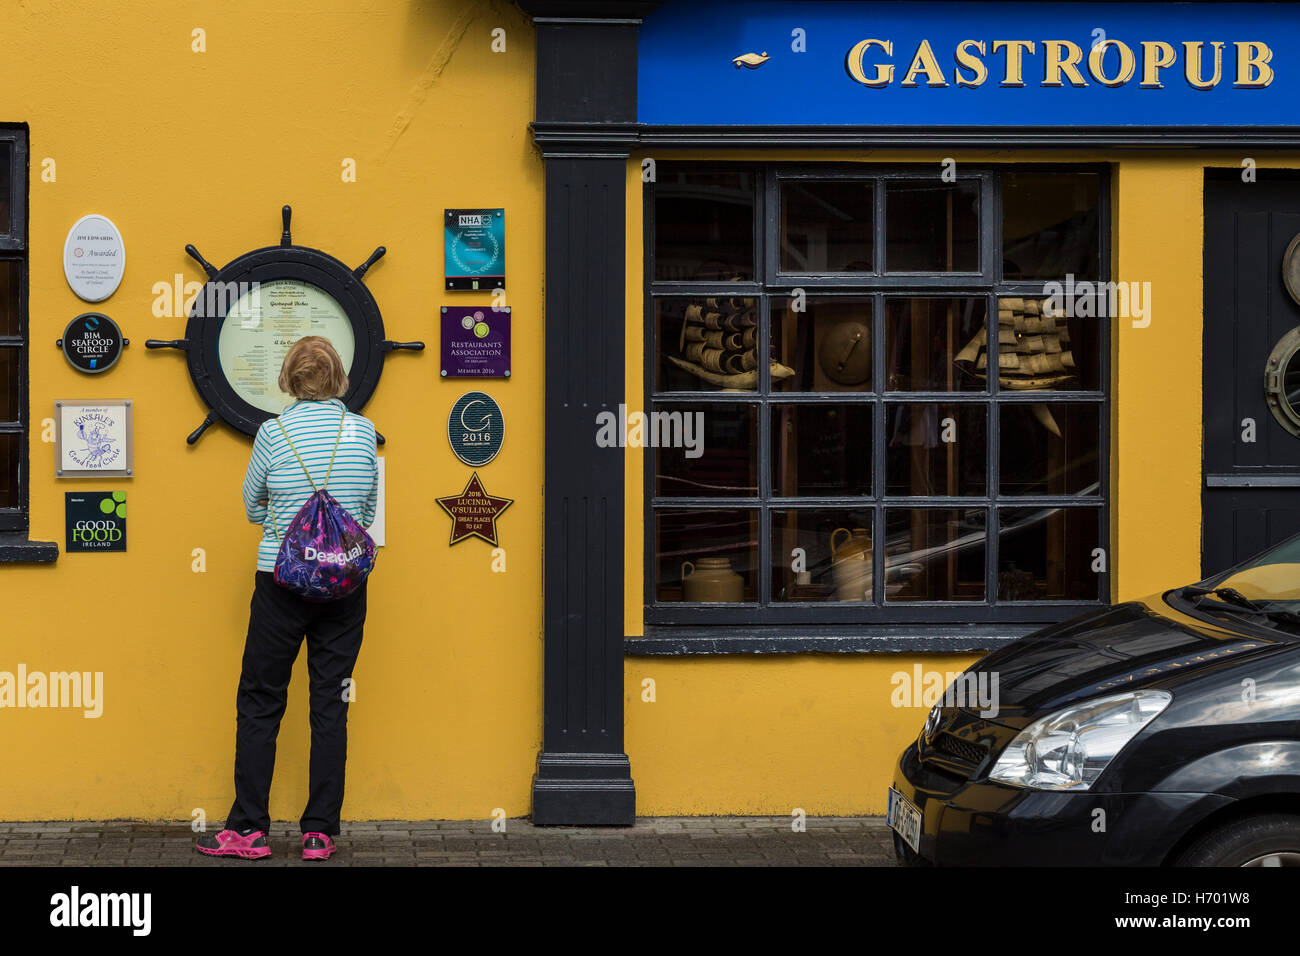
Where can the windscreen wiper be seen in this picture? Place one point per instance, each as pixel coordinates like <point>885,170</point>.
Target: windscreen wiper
<point>1195,594</point>
<point>1234,598</point>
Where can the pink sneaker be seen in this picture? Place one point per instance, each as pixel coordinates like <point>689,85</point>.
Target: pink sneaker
<point>230,843</point>
<point>317,846</point>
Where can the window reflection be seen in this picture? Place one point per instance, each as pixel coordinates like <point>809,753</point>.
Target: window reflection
<point>1051,225</point>
<point>1046,554</point>
<point>10,454</point>
<point>934,554</point>
<point>923,339</point>
<point>931,227</point>
<point>704,450</point>
<point>6,185</point>
<point>1050,448</point>
<point>826,226</point>
<point>9,288</point>
<point>935,449</point>
<point>9,384</point>
<point>704,225</point>
<point>821,450</point>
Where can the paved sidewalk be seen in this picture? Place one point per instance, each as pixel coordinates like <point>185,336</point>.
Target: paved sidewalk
<point>653,841</point>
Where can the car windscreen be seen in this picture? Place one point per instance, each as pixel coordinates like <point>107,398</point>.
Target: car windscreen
<point>1271,579</point>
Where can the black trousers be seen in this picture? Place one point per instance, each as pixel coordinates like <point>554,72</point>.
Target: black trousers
<point>278,620</point>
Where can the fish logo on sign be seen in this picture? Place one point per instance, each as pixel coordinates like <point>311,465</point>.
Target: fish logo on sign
<point>91,323</point>
<point>750,61</point>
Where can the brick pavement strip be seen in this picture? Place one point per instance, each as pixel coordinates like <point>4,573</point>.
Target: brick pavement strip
<point>652,841</point>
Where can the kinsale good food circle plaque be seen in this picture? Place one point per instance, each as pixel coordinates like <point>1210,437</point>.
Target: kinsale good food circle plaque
<point>93,438</point>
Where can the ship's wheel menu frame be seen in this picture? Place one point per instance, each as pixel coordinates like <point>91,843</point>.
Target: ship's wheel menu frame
<point>223,298</point>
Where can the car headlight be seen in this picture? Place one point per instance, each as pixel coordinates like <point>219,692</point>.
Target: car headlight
<point>931,723</point>
<point>1068,750</point>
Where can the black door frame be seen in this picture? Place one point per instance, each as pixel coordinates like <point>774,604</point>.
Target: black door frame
<point>1249,493</point>
<point>586,85</point>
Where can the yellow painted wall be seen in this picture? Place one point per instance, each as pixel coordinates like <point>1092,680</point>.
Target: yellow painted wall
<point>178,146</point>
<point>769,734</point>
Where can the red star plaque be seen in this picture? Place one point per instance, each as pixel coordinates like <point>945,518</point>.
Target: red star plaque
<point>474,512</point>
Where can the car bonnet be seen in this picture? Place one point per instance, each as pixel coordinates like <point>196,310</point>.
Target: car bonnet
<point>1128,646</point>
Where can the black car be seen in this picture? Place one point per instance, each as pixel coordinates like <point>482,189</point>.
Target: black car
<point>1157,732</point>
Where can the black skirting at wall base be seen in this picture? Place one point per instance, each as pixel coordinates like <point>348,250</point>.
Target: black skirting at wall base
<point>583,790</point>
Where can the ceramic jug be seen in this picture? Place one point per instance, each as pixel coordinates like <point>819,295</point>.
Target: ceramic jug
<point>711,580</point>
<point>851,564</point>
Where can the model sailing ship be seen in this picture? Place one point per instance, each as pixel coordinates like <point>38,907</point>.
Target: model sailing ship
<point>719,343</point>
<point>1033,352</point>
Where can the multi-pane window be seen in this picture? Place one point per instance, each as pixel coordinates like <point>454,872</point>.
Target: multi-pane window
<point>867,404</point>
<point>13,331</point>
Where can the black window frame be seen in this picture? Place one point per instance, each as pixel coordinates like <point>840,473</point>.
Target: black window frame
<point>13,248</point>
<point>833,617</point>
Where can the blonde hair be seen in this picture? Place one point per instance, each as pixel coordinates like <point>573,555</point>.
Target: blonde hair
<point>312,370</point>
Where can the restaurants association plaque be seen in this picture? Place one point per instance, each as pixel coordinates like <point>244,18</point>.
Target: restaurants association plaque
<point>475,342</point>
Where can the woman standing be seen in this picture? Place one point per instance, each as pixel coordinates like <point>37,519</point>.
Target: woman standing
<point>275,488</point>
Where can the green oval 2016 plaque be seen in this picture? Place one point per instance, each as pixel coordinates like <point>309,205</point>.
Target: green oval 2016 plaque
<point>476,428</point>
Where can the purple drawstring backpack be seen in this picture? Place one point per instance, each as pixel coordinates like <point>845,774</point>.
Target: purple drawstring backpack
<point>325,554</point>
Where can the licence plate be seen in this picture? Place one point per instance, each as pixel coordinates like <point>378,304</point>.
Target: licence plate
<point>904,819</point>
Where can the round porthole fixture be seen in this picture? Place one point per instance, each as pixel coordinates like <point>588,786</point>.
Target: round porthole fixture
<point>1282,381</point>
<point>248,313</point>
<point>1291,268</point>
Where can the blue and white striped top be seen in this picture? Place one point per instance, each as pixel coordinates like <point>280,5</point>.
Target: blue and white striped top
<point>273,469</point>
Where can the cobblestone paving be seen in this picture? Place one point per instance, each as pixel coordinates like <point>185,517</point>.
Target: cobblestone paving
<point>653,841</point>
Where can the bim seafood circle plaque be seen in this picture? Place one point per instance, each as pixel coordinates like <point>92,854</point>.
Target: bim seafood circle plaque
<point>247,315</point>
<point>92,343</point>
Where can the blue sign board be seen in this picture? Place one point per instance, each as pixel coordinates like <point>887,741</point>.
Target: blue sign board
<point>474,249</point>
<point>780,63</point>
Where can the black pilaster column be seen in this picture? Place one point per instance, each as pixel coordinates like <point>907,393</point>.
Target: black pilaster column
<point>586,111</point>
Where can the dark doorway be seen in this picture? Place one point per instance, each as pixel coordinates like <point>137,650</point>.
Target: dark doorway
<point>1251,497</point>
